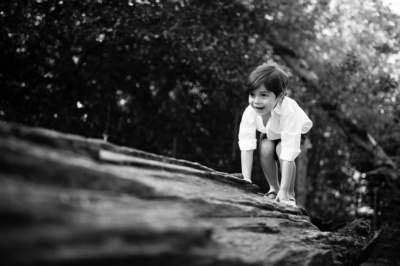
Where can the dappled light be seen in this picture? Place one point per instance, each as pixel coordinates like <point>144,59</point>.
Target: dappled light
<point>168,77</point>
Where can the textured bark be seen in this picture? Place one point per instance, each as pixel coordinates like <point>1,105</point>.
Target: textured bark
<point>69,200</point>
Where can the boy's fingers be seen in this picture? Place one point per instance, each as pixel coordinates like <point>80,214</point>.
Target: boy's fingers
<point>277,198</point>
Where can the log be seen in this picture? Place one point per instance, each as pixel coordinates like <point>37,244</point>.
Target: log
<point>70,200</point>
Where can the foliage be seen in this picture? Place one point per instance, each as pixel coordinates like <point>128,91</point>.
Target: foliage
<point>167,77</point>
<point>357,47</point>
<point>145,73</point>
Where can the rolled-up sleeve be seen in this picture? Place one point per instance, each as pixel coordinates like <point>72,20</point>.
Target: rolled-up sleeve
<point>247,131</point>
<point>290,136</point>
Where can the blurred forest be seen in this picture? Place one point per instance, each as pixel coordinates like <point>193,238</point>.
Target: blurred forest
<point>167,77</point>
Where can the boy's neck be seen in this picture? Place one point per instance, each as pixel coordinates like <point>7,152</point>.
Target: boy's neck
<point>266,117</point>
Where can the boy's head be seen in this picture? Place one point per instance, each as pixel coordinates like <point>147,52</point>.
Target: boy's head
<point>271,76</point>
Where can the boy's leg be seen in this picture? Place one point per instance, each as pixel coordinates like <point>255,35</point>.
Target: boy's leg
<point>292,182</point>
<point>268,164</point>
<point>293,177</point>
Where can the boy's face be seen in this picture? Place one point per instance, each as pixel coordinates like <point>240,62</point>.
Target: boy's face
<point>262,101</point>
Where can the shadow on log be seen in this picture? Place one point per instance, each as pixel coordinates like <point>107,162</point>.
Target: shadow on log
<point>69,200</point>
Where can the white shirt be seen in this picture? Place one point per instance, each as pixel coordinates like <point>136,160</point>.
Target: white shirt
<point>288,121</point>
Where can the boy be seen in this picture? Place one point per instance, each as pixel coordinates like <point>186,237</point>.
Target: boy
<point>283,124</point>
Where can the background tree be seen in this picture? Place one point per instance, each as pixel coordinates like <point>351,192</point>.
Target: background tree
<point>167,77</point>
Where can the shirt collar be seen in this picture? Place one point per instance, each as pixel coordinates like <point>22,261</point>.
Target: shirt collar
<point>278,108</point>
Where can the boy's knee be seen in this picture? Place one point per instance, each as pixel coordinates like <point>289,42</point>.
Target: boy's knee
<point>278,149</point>
<point>267,148</point>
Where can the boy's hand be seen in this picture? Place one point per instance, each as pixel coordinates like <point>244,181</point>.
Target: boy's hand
<point>278,197</point>
<point>281,196</point>
<point>284,198</point>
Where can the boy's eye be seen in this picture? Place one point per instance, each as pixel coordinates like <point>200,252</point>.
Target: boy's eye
<point>264,95</point>
<point>251,94</point>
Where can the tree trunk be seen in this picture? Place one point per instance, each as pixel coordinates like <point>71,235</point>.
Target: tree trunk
<point>68,200</point>
<point>301,175</point>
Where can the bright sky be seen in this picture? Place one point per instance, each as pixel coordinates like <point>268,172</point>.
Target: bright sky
<point>394,5</point>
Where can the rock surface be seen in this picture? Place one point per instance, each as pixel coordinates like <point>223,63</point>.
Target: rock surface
<point>69,200</point>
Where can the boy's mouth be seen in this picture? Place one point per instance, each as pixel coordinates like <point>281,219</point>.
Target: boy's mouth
<point>259,108</point>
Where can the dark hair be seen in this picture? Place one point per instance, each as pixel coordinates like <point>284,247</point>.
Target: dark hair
<point>271,76</point>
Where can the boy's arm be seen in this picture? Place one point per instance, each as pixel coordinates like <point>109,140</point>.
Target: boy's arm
<point>247,163</point>
<point>247,141</point>
<point>287,169</point>
<point>290,136</point>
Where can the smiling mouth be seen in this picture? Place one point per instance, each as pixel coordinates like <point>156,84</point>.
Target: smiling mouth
<point>259,108</point>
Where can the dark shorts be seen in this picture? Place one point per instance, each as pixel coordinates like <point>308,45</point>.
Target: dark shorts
<point>276,141</point>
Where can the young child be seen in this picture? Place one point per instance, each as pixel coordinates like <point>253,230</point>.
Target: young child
<point>283,126</point>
